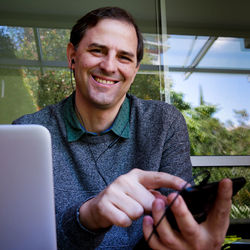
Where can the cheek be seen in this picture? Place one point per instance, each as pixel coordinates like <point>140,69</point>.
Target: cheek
<point>129,73</point>
<point>85,65</point>
<point>87,62</point>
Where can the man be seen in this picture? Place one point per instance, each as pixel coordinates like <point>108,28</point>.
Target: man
<point>112,150</point>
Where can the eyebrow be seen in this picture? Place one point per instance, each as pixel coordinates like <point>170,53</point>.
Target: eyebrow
<point>123,52</point>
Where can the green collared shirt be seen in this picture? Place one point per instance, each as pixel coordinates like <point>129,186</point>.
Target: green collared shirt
<point>75,130</point>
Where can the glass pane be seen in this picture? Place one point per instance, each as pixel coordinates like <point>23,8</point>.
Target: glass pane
<point>17,42</point>
<point>182,49</point>
<point>216,105</point>
<point>146,86</point>
<point>34,61</point>
<point>53,86</point>
<point>227,53</point>
<point>43,48</point>
<point>54,43</point>
<point>151,49</point>
<point>15,96</point>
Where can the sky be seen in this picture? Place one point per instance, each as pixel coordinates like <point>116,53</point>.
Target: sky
<point>228,91</point>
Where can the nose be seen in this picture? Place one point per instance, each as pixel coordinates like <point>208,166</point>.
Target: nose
<point>109,64</point>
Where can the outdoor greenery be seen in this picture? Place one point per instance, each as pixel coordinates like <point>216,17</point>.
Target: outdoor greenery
<point>15,99</point>
<point>241,201</point>
<point>31,89</point>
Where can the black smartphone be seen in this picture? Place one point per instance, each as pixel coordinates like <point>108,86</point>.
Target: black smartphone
<point>200,199</point>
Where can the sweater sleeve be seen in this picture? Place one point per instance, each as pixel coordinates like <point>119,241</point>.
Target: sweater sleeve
<point>176,152</point>
<point>72,235</point>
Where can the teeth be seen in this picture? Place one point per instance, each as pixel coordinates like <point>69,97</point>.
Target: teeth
<point>104,81</point>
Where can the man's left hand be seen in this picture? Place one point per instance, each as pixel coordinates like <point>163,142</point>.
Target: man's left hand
<point>207,235</point>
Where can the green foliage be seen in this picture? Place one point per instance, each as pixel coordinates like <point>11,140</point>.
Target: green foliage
<point>242,116</point>
<point>208,136</point>
<point>177,100</point>
<point>146,87</point>
<point>7,48</point>
<point>241,201</point>
<point>240,211</point>
<point>53,86</point>
<point>15,99</point>
<point>54,43</point>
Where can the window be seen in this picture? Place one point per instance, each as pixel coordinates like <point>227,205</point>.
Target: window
<point>32,73</point>
<point>206,78</point>
<point>210,84</point>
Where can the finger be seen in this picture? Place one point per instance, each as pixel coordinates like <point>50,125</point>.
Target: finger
<point>138,182</point>
<point>116,216</point>
<point>128,205</point>
<point>99,212</point>
<point>154,180</point>
<point>187,225</point>
<point>158,195</point>
<point>218,217</point>
<point>130,186</point>
<point>153,241</point>
<point>167,235</point>
<point>117,194</point>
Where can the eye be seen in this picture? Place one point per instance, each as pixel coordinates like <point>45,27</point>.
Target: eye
<point>95,51</point>
<point>125,58</point>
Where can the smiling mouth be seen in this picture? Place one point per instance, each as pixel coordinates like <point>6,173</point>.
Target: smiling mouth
<point>103,81</point>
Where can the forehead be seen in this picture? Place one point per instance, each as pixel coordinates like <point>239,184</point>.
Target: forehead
<point>112,33</point>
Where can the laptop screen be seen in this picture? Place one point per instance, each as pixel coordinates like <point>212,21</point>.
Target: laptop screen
<point>27,211</point>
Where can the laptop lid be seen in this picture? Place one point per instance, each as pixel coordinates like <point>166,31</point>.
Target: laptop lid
<point>27,211</point>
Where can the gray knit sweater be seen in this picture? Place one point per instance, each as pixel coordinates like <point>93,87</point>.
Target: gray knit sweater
<point>158,141</point>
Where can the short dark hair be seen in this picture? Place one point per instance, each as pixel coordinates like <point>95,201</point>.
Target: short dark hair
<point>92,18</point>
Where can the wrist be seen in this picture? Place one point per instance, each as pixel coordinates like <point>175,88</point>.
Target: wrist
<point>85,216</point>
<point>90,219</point>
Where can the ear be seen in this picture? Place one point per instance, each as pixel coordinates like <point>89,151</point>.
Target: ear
<point>71,55</point>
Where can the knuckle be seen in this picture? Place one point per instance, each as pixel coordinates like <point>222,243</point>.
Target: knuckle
<point>124,221</point>
<point>179,212</point>
<point>122,180</point>
<point>168,241</point>
<point>157,177</point>
<point>100,209</point>
<point>110,190</point>
<point>135,171</point>
<point>138,212</point>
<point>192,232</point>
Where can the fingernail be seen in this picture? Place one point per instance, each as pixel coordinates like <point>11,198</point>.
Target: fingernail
<point>159,205</point>
<point>148,221</point>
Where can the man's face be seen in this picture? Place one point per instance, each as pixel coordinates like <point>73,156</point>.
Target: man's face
<point>106,63</point>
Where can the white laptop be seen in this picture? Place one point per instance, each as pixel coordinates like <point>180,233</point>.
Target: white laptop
<point>27,211</point>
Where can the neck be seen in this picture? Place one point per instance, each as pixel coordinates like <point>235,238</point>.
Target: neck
<point>93,118</point>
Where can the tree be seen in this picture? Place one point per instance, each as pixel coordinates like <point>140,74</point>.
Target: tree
<point>146,86</point>
<point>53,87</point>
<point>15,99</point>
<point>208,135</point>
<point>242,116</point>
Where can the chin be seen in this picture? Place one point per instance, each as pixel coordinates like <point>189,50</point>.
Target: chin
<point>103,104</point>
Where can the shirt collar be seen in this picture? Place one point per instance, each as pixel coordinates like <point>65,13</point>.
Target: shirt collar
<point>75,130</point>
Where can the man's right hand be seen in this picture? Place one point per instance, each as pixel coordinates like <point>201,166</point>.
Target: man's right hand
<point>126,199</point>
